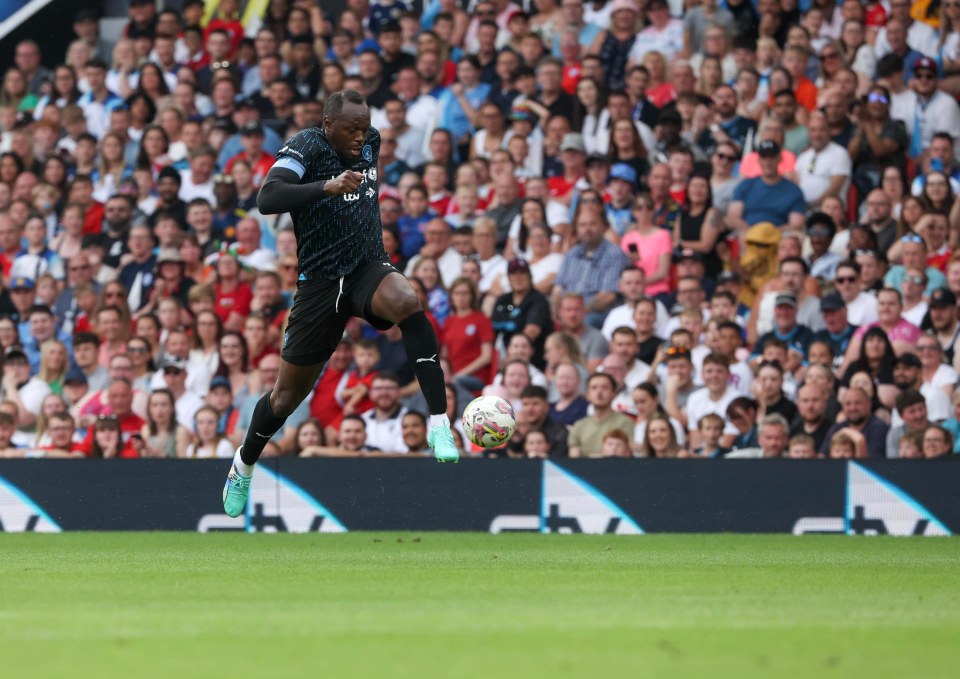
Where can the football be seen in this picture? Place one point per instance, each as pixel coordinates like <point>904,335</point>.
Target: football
<point>489,421</point>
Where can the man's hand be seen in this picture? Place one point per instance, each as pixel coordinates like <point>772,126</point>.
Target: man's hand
<point>348,182</point>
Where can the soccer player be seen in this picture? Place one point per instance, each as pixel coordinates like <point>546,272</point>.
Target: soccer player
<point>327,179</point>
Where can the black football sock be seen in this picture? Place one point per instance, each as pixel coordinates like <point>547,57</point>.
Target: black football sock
<point>263,425</point>
<point>420,341</point>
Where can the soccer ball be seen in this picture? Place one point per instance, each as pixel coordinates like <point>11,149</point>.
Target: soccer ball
<point>489,421</point>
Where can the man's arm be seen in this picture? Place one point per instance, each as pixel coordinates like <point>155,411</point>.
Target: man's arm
<point>283,192</point>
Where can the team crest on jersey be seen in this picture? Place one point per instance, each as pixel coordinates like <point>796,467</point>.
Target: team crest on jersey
<point>367,153</point>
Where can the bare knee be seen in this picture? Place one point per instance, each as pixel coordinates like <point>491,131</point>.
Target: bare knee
<point>395,299</point>
<point>283,401</point>
<point>407,305</point>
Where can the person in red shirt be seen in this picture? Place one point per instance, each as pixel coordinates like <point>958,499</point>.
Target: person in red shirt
<point>573,155</point>
<point>9,243</point>
<point>227,18</point>
<point>233,295</point>
<point>468,338</point>
<point>119,418</point>
<point>324,405</point>
<point>795,62</point>
<point>251,137</point>
<point>81,193</point>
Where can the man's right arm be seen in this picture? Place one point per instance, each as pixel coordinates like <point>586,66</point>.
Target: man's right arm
<point>283,192</point>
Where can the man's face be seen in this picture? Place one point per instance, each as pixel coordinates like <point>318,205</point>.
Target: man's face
<point>414,432</point>
<point>715,377</point>
<point>571,314</point>
<point>41,326</point>
<point>624,346</point>
<point>589,228</point>
<point>905,375</point>
<point>385,394</point>
<point>791,274</point>
<point>85,354</point>
<point>914,256</point>
<point>810,403</point>
<point>353,435</point>
<point>943,318</point>
<point>913,285</point>
<point>786,316</point>
<point>725,102</point>
<point>61,431</point>
<point>856,406</point>
<point>770,381</point>
<point>600,393</point>
<point>534,410</point>
<point>772,439</point>
<point>878,207</point>
<point>915,416</point>
<point>117,212</point>
<point>682,369</point>
<point>120,398</point>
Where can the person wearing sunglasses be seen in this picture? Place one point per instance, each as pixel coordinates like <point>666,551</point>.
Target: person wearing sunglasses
<point>913,255</point>
<point>878,139</point>
<point>930,109</point>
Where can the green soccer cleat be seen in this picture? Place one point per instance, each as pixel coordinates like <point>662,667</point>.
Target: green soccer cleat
<point>235,492</point>
<point>441,440</point>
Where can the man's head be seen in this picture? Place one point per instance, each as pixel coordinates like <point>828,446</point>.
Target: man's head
<point>943,310</point>
<point>353,433</point>
<point>773,435</point>
<point>346,120</point>
<point>716,373</point>
<point>811,403</point>
<point>385,391</point>
<point>120,397</point>
<point>906,372</point>
<point>571,312</point>
<point>601,389</point>
<point>534,405</point>
<point>856,405</point>
<point>42,325</point>
<point>912,407</point>
<point>414,431</point>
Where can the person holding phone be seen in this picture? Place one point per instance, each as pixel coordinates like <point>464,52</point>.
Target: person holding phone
<point>649,247</point>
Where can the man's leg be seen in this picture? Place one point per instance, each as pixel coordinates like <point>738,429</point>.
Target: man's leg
<point>395,301</point>
<point>294,384</point>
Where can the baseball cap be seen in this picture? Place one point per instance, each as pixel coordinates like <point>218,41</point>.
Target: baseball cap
<point>787,298</point>
<point>670,117</point>
<point>86,15</point>
<point>597,158</point>
<point>729,277</point>
<point>14,352</point>
<point>247,102</point>
<point>174,362</point>
<point>925,64</point>
<point>169,255</point>
<point>832,302</point>
<point>252,127</point>
<point>942,298</point>
<point>768,149</point>
<point>623,172</point>
<point>573,141</point>
<point>22,283</point>
<point>518,265</point>
<point>75,376</point>
<point>169,172</point>
<point>618,5</point>
<point>220,382</point>
<point>908,359</point>
<point>680,254</point>
<point>821,224</point>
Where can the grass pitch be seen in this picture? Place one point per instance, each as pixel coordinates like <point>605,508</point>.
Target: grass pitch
<point>472,605</point>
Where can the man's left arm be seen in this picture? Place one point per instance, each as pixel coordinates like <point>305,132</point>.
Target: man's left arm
<point>611,266</point>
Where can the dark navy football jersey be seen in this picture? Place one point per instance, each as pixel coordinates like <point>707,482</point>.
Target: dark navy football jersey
<point>336,234</point>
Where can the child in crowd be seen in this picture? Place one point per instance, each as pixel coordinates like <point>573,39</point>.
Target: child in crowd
<point>710,427</point>
<point>842,447</point>
<point>801,447</point>
<point>354,389</point>
<point>536,444</point>
<point>615,444</point>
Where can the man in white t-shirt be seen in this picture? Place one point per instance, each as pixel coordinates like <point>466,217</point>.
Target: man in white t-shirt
<point>631,284</point>
<point>383,421</point>
<point>920,36</point>
<point>624,344</point>
<point>824,167</point>
<point>197,182</point>
<point>18,386</point>
<point>861,307</point>
<point>713,397</point>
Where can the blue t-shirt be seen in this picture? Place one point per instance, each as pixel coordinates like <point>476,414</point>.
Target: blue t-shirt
<point>764,202</point>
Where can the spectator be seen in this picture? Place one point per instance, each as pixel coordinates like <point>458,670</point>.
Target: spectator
<point>713,398</point>
<point>414,432</point>
<point>767,198</point>
<point>586,437</point>
<point>162,436</point>
<point>772,440</point>
<point>856,410</point>
<point>534,417</point>
<point>383,422</point>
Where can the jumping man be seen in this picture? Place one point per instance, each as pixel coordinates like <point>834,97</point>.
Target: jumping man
<point>326,178</point>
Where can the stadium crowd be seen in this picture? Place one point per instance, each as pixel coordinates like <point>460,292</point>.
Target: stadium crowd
<point>659,229</point>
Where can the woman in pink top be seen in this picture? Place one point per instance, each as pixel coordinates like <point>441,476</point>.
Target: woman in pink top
<point>902,333</point>
<point>649,247</point>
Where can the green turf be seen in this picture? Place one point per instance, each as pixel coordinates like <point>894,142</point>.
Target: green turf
<point>445,605</point>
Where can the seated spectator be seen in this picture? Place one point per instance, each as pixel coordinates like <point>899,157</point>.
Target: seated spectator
<point>208,442</point>
<point>162,436</point>
<point>858,416</point>
<point>771,442</point>
<point>710,428</point>
<point>383,421</point>
<point>414,432</point>
<point>17,386</point>
<point>801,447</point>
<point>569,406</point>
<point>660,439</point>
<point>534,416</point>
<point>742,412</point>
<point>586,437</point>
<point>767,198</point>
<point>120,419</point>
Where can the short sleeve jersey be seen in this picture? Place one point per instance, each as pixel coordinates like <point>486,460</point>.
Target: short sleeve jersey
<point>339,233</point>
